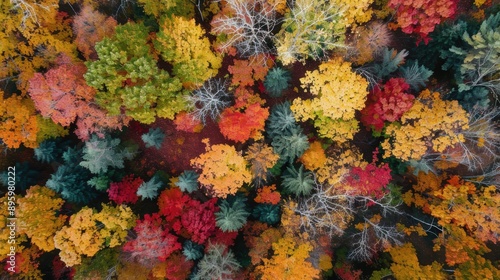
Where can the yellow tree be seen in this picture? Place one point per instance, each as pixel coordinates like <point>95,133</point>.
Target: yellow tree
<point>338,92</point>
<point>183,43</point>
<point>34,33</point>
<point>406,265</point>
<point>289,261</point>
<point>431,125</point>
<point>90,231</point>
<point>223,169</point>
<point>37,214</point>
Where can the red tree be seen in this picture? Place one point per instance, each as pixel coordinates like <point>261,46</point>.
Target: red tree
<point>63,95</point>
<point>125,191</point>
<point>244,120</point>
<point>153,242</point>
<point>386,103</point>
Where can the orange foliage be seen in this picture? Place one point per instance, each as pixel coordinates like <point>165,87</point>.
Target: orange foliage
<point>314,157</point>
<point>261,157</point>
<point>246,72</point>
<point>185,122</point>
<point>268,194</point>
<point>223,169</point>
<point>289,261</point>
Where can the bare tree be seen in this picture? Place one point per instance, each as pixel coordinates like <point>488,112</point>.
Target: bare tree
<point>249,25</point>
<point>209,100</point>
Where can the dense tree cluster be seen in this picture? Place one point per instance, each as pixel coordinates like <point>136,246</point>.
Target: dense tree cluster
<point>250,139</point>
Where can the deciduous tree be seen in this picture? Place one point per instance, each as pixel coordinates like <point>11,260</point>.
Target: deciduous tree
<point>223,169</point>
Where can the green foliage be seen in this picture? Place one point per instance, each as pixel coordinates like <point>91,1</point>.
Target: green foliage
<point>70,179</point>
<point>102,181</point>
<point>415,75</point>
<point>218,263</point>
<point>292,146</point>
<point>267,213</point>
<point>281,121</point>
<point>46,152</point>
<point>101,265</point>
<point>276,81</point>
<point>150,188</point>
<point>188,181</point>
<point>232,214</point>
<point>154,138</point>
<point>101,154</point>
<point>159,9</point>
<point>481,64</point>
<point>26,176</point>
<point>297,182</point>
<point>391,60</point>
<point>127,78</point>
<point>422,165</point>
<point>192,251</point>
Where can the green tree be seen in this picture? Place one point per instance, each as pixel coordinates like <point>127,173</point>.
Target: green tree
<point>127,78</point>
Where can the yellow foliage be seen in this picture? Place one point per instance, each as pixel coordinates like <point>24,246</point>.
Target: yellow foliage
<point>88,232</point>
<point>223,169</point>
<point>338,93</point>
<point>339,164</point>
<point>37,212</point>
<point>431,124</point>
<point>325,262</point>
<point>406,265</point>
<point>357,11</point>
<point>314,157</point>
<point>288,261</point>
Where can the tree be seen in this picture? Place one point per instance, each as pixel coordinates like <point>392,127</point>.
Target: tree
<point>314,157</point>
<point>406,265</point>
<point>209,100</point>
<point>176,267</point>
<point>290,146</point>
<point>198,220</point>
<point>268,194</point>
<point>298,182</point>
<point>63,95</point>
<point>185,122</point>
<point>20,124</point>
<point>246,72</point>
<point>218,263</point>
<point>387,103</point>
<point>192,250</point>
<point>261,158</point>
<point>168,8</point>
<point>34,34</point>
<point>101,154</point>
<point>309,30</point>
<point>276,81</point>
<point>338,92</point>
<point>182,43</point>
<point>421,17</point>
<point>127,78</point>
<point>247,25</point>
<point>37,211</point>
<point>70,179</point>
<point>90,27</point>
<point>188,181</point>
<point>281,121</point>
<point>481,59</point>
<point>369,181</point>
<point>244,120</point>
<point>288,261</point>
<point>150,188</point>
<point>152,242</point>
<point>223,169</point>
<point>232,214</point>
<point>89,231</point>
<point>154,138</point>
<point>430,125</point>
<point>125,191</point>
<point>267,213</point>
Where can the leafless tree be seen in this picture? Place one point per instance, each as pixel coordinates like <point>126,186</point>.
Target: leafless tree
<point>209,100</point>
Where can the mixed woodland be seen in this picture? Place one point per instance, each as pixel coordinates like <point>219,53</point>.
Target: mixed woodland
<point>250,139</point>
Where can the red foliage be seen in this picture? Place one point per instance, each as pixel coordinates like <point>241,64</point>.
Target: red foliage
<point>370,180</point>
<point>125,191</point>
<point>346,272</point>
<point>153,242</point>
<point>63,95</point>
<point>245,119</point>
<point>186,216</point>
<point>185,122</point>
<point>421,16</point>
<point>198,220</point>
<point>60,270</point>
<point>172,203</point>
<point>224,238</point>
<point>386,104</point>
<point>177,267</point>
